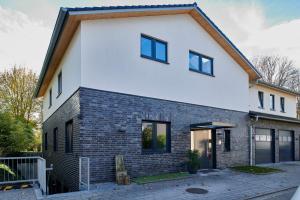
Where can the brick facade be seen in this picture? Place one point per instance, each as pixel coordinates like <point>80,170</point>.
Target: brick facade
<point>111,125</point>
<point>65,165</point>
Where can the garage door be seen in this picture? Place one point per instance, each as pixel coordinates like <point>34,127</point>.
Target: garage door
<point>264,146</point>
<point>286,146</point>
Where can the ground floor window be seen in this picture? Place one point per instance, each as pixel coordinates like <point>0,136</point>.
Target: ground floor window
<point>69,137</point>
<point>227,140</point>
<point>156,137</point>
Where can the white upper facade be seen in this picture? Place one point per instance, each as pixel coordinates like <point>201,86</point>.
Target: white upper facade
<point>287,108</point>
<point>105,54</point>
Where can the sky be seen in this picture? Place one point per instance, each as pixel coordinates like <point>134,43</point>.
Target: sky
<point>256,27</point>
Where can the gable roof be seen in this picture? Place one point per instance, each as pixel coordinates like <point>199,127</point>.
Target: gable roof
<point>69,18</point>
<point>276,87</point>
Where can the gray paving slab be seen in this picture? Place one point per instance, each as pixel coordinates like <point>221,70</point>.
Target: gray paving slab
<point>225,184</point>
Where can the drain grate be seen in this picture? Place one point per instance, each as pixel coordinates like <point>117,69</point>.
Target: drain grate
<point>196,191</point>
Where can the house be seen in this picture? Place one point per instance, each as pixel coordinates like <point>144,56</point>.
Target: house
<point>150,83</point>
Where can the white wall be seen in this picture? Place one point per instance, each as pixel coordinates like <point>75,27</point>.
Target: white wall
<point>70,68</point>
<point>111,61</point>
<point>290,101</point>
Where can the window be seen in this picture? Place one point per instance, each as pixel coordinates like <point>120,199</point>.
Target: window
<point>272,102</point>
<point>261,99</point>
<point>227,140</point>
<point>46,141</point>
<point>69,137</point>
<point>282,104</point>
<point>50,97</point>
<point>154,49</point>
<point>200,63</point>
<point>156,137</point>
<point>55,133</point>
<point>59,84</point>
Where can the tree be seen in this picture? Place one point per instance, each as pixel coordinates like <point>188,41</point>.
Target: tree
<point>278,70</point>
<point>17,86</point>
<point>15,135</point>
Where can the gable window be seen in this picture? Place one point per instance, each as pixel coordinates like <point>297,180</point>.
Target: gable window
<point>272,102</point>
<point>282,104</point>
<point>59,84</point>
<point>156,137</point>
<point>46,141</point>
<point>227,140</point>
<point>261,99</point>
<point>55,133</point>
<point>69,137</point>
<point>200,63</point>
<point>154,49</point>
<point>50,97</point>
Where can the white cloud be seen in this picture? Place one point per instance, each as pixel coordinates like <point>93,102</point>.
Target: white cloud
<point>247,27</point>
<point>23,41</point>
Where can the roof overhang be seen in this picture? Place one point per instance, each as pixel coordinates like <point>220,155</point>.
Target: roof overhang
<point>277,88</point>
<point>258,115</point>
<point>69,19</point>
<point>211,125</point>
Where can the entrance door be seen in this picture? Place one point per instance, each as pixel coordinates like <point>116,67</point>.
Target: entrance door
<point>286,147</point>
<point>203,141</point>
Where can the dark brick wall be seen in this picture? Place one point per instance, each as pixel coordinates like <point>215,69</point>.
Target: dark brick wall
<point>278,125</point>
<point>65,165</point>
<point>111,125</point>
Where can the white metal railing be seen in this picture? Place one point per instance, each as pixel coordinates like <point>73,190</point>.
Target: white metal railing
<point>84,173</point>
<point>23,169</point>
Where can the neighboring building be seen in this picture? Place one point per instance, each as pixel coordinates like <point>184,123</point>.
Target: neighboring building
<point>274,123</point>
<point>149,83</point>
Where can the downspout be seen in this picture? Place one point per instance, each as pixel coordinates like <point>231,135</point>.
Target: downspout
<point>251,141</point>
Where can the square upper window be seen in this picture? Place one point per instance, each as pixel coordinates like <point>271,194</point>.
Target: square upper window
<point>154,49</point>
<point>200,63</point>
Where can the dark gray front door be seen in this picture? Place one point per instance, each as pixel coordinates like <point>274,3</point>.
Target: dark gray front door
<point>264,142</point>
<point>203,142</point>
<point>286,147</point>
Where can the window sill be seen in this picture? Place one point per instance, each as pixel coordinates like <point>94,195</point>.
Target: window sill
<point>262,108</point>
<point>154,152</point>
<point>282,111</point>
<point>207,74</point>
<point>272,109</point>
<point>157,60</point>
<point>58,95</point>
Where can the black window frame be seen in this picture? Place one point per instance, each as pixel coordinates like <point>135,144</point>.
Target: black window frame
<point>46,141</point>
<point>227,140</point>
<point>261,99</point>
<point>272,107</point>
<point>50,97</point>
<point>154,149</point>
<point>282,104</point>
<point>153,49</point>
<point>59,84</point>
<point>200,63</point>
<point>55,134</point>
<point>69,144</point>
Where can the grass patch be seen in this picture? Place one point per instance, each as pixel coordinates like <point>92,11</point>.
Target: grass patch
<point>255,169</point>
<point>160,177</point>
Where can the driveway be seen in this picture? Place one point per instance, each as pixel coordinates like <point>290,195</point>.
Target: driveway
<point>223,184</point>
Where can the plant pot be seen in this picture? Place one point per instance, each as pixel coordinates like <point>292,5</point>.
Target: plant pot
<point>192,169</point>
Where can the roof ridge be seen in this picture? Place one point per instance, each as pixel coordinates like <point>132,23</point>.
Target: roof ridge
<point>128,6</point>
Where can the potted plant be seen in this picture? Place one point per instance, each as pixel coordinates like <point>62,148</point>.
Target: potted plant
<point>193,162</point>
